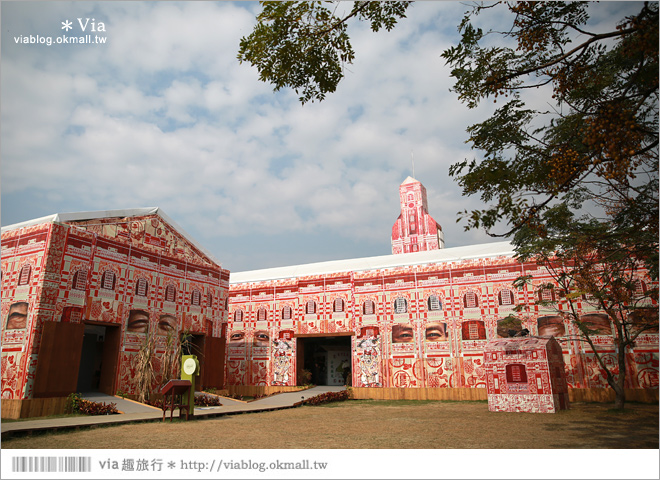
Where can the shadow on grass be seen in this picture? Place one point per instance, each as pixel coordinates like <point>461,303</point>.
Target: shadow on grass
<point>610,428</point>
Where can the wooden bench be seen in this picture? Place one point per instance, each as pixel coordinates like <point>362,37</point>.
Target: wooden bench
<point>173,389</point>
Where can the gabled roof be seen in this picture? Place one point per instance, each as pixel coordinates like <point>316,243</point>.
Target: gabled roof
<point>66,218</point>
<point>444,255</point>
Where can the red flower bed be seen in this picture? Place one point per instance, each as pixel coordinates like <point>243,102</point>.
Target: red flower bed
<point>327,397</point>
<point>200,401</point>
<point>207,401</point>
<point>87,407</point>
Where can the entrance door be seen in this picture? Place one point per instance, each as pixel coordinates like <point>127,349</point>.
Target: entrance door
<point>325,357</point>
<point>59,359</point>
<point>90,360</point>
<point>99,358</point>
<point>214,363</point>
<point>110,359</point>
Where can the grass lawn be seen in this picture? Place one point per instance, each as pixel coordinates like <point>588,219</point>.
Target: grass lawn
<point>362,424</point>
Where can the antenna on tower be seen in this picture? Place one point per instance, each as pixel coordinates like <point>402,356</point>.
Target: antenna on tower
<point>412,159</point>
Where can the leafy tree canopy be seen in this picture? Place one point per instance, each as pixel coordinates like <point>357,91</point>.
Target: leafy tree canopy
<point>593,153</point>
<point>574,180</point>
<point>305,45</point>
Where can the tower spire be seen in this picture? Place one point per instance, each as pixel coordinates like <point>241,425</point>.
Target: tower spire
<point>412,159</point>
<point>415,230</point>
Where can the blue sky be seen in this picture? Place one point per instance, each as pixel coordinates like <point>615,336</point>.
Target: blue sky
<point>162,114</point>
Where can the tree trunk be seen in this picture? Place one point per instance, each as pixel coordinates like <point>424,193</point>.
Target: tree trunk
<point>617,383</point>
<point>619,398</point>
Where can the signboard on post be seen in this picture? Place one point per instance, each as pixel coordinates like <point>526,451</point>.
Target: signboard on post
<point>189,370</point>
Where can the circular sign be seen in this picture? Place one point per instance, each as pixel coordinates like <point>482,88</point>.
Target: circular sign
<point>189,366</point>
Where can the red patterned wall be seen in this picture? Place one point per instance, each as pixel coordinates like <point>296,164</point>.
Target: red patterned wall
<point>103,271</point>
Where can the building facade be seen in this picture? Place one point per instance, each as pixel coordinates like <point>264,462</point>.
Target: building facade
<point>418,320</point>
<point>406,321</point>
<point>82,292</point>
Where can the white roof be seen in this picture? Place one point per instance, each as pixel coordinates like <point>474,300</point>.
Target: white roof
<point>409,179</point>
<point>129,212</point>
<point>444,255</point>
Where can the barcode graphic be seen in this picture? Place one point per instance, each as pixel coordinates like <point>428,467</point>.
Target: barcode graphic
<point>51,464</point>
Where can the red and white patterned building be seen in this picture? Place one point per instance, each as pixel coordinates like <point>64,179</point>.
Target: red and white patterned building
<point>81,292</point>
<point>414,229</point>
<point>526,374</point>
<point>86,289</point>
<point>409,320</point>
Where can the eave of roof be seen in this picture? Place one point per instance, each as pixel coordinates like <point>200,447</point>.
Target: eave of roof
<point>445,255</point>
<point>65,218</point>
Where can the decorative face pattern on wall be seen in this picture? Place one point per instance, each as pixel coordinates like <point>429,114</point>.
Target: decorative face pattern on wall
<point>138,321</point>
<point>551,325</point>
<point>237,337</point>
<point>261,338</point>
<point>167,324</point>
<point>17,316</point>
<point>403,333</point>
<point>436,332</point>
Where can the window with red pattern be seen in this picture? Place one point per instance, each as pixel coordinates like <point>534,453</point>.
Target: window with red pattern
<point>506,297</point>
<point>80,280</point>
<point>516,373</point>
<point>368,307</point>
<point>141,287</point>
<point>338,305</point>
<point>470,300</point>
<point>170,293</point>
<point>196,297</point>
<point>108,280</point>
<point>24,275</point>
<point>400,305</point>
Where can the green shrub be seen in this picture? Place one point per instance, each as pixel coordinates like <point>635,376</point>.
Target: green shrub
<point>73,403</point>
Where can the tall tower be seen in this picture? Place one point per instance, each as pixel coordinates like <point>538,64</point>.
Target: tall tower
<point>415,230</point>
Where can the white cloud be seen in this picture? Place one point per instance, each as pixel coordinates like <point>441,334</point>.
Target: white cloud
<point>164,115</point>
<point>123,100</point>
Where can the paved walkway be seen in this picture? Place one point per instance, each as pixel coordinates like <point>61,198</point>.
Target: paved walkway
<point>138,412</point>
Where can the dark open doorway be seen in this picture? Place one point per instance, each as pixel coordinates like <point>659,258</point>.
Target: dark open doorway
<point>98,359</point>
<point>328,358</point>
<point>197,346</point>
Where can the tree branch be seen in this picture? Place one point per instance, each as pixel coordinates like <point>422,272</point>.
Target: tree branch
<point>559,59</point>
